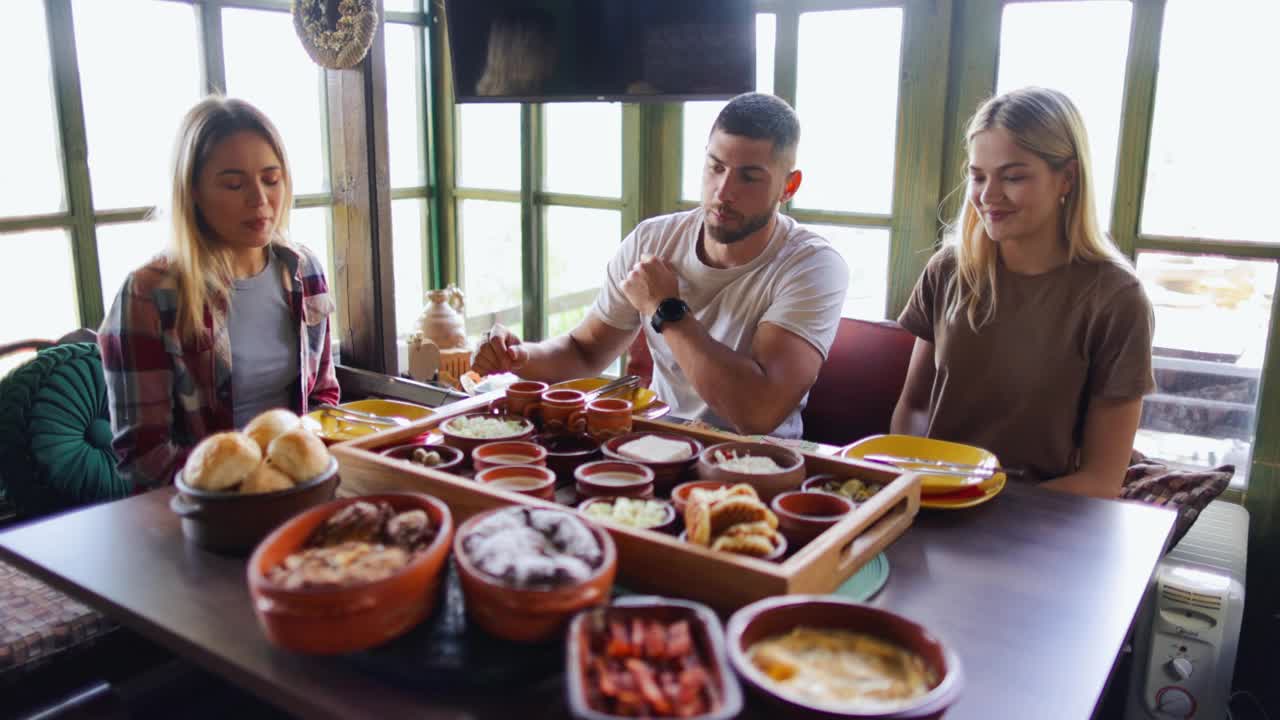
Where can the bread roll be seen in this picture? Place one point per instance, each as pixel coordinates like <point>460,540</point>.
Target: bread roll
<point>265,478</point>
<point>220,461</point>
<point>270,425</point>
<point>299,454</point>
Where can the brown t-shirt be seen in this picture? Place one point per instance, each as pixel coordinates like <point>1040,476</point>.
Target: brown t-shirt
<point>1020,386</point>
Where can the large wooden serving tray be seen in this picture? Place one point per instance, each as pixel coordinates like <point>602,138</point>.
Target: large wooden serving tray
<point>656,562</point>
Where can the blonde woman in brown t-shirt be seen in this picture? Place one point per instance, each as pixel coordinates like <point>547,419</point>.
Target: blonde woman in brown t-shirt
<point>1033,335</point>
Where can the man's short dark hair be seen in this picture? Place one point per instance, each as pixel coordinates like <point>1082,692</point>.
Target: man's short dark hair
<point>761,116</point>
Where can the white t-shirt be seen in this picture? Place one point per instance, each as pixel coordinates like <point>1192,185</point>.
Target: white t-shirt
<point>797,283</point>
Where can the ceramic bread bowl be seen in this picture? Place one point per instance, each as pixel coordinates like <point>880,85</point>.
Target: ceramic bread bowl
<point>332,620</point>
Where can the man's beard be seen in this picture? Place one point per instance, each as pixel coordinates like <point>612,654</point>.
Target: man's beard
<point>749,226</point>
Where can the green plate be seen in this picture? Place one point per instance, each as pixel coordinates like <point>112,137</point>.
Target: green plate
<point>867,581</point>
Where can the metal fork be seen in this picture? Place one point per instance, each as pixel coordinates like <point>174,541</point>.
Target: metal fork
<point>361,416</point>
<point>625,383</point>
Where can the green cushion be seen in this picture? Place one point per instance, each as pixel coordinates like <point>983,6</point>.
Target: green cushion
<point>55,432</point>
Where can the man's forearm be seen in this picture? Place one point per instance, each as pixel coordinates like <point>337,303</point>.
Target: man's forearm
<point>556,359</point>
<point>734,385</point>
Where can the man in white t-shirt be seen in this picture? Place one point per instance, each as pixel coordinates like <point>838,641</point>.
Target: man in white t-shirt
<point>739,303</point>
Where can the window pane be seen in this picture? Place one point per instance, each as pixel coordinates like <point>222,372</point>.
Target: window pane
<point>125,247</point>
<point>848,137</point>
<point>584,148</point>
<point>131,122</point>
<point>48,298</point>
<point>408,230</point>
<point>580,243</point>
<point>1212,316</point>
<point>267,66</point>
<point>30,140</point>
<point>399,6</point>
<point>866,252</point>
<point>313,227</point>
<point>491,260</point>
<point>698,116</point>
<point>405,122</point>
<point>489,140</point>
<point>1039,45</point>
<point>1205,178</point>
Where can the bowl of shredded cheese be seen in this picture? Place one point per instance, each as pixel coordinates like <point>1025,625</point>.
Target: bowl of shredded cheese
<point>467,432</point>
<point>770,469</point>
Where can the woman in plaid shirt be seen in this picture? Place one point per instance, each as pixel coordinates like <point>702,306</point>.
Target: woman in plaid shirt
<point>233,319</point>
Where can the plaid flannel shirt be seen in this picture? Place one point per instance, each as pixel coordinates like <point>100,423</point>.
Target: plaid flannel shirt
<point>166,393</point>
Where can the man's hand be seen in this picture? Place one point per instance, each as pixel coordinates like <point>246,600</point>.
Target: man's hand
<point>499,351</point>
<point>650,281</point>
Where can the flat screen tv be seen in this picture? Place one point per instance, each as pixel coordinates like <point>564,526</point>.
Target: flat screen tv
<point>581,50</point>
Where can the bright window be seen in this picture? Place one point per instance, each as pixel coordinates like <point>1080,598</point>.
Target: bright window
<point>583,148</point>
<point>408,228</point>
<point>125,247</point>
<point>491,261</point>
<point>580,243</point>
<point>30,137</point>
<point>699,116</point>
<point>489,146</point>
<point>1214,147</point>
<point>405,106</point>
<point>266,65</point>
<point>847,98</point>
<point>46,298</point>
<point>1212,321</point>
<point>1040,45</point>
<point>133,104</point>
<point>866,252</point>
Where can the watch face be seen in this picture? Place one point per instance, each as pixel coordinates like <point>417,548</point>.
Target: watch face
<point>672,309</point>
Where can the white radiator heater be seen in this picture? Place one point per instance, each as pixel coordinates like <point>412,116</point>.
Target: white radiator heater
<point>1186,634</point>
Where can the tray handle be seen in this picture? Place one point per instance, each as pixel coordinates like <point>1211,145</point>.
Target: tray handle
<point>875,538</point>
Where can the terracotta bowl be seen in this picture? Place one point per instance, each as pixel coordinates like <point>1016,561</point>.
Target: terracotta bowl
<point>592,482</point>
<point>566,452</point>
<point>803,516</point>
<point>817,483</point>
<point>467,444</point>
<point>779,615</point>
<point>766,484</point>
<point>668,523</point>
<point>680,493</point>
<point>704,630</point>
<point>530,614</point>
<point>666,475</point>
<point>233,523</point>
<point>777,554</point>
<point>542,486</point>
<point>340,620</point>
<point>450,457</point>
<point>508,452</point>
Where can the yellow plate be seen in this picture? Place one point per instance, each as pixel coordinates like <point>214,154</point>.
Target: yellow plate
<point>928,448</point>
<point>333,429</point>
<point>643,400</point>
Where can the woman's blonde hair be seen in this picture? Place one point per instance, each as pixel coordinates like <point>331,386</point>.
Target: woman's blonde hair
<point>203,266</point>
<point>1044,122</point>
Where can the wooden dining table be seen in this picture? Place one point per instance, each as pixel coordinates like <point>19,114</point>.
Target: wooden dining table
<point>1035,590</point>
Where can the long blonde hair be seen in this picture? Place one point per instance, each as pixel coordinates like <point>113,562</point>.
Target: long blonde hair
<point>203,266</point>
<point>1044,122</point>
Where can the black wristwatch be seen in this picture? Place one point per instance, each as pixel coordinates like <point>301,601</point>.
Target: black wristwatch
<point>672,309</point>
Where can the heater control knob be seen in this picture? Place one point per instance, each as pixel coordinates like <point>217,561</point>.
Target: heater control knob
<point>1174,702</point>
<point>1179,668</point>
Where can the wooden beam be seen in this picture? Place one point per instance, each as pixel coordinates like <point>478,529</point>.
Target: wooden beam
<point>971,78</point>
<point>919,161</point>
<point>75,160</point>
<point>443,170</point>
<point>532,249</point>
<point>357,114</point>
<point>1135,122</point>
